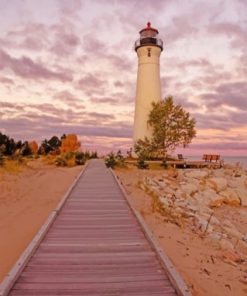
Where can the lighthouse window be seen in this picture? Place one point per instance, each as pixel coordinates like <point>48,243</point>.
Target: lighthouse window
<point>149,52</point>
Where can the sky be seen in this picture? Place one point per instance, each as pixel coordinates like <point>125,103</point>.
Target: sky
<point>69,66</point>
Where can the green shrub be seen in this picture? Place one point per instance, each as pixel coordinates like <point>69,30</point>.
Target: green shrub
<point>80,158</point>
<point>164,164</point>
<point>60,161</point>
<point>94,154</point>
<point>111,160</point>
<point>1,160</point>
<point>68,155</point>
<point>141,164</point>
<point>87,154</point>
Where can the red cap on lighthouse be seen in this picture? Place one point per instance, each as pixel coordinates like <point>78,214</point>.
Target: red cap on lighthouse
<point>149,28</point>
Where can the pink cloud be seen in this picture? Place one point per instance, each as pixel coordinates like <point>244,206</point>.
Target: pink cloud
<point>234,32</point>
<point>104,100</point>
<point>6,80</point>
<point>27,68</point>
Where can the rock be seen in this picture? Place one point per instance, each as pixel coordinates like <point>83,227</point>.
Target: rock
<point>218,184</point>
<point>227,223</point>
<point>230,197</point>
<point>165,201</point>
<point>231,256</point>
<point>233,232</point>
<point>189,188</point>
<point>197,174</point>
<point>245,238</point>
<point>242,247</point>
<point>243,213</point>
<point>215,236</point>
<point>180,194</point>
<point>239,181</point>
<point>142,186</point>
<point>168,190</point>
<point>210,198</point>
<point>231,183</point>
<point>203,224</point>
<point>242,194</point>
<point>226,245</point>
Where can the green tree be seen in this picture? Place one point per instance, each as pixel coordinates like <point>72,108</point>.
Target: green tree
<point>54,143</point>
<point>172,127</point>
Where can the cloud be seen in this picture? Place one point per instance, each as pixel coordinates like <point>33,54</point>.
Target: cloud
<point>64,41</point>
<point>233,31</point>
<point>66,97</point>
<point>27,68</point>
<point>6,80</point>
<point>90,84</point>
<point>104,100</point>
<point>232,94</point>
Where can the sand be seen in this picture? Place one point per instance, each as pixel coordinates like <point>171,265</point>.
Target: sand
<point>27,198</point>
<point>205,268</point>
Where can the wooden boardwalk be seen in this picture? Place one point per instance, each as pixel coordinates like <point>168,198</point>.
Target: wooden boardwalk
<point>94,247</point>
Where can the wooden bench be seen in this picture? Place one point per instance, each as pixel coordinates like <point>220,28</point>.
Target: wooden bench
<point>211,157</point>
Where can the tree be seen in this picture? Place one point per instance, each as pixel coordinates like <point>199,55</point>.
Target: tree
<point>54,143</point>
<point>44,148</point>
<point>172,126</point>
<point>70,144</point>
<point>33,146</point>
<point>25,149</point>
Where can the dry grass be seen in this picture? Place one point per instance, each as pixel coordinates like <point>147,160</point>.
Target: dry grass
<point>166,211</point>
<point>14,166</point>
<point>48,159</point>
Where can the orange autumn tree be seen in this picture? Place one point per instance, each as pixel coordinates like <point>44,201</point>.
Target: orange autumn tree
<point>70,143</point>
<point>33,146</point>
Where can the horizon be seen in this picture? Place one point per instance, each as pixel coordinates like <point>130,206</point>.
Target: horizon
<point>70,67</point>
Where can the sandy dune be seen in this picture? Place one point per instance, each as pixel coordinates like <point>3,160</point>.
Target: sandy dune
<point>26,200</point>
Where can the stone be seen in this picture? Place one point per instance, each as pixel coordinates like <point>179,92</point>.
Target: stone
<point>180,194</point>
<point>165,201</point>
<point>243,213</point>
<point>210,198</point>
<point>242,194</point>
<point>226,245</point>
<point>231,183</point>
<point>218,184</point>
<point>233,232</point>
<point>197,174</point>
<point>242,247</point>
<point>231,256</point>
<point>203,224</point>
<point>215,238</point>
<point>189,188</point>
<point>230,197</point>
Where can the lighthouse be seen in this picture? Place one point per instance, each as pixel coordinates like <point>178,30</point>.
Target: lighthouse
<point>148,48</point>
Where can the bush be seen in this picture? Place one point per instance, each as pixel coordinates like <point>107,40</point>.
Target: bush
<point>110,160</point>
<point>60,161</point>
<point>164,164</point>
<point>141,164</point>
<point>1,160</point>
<point>94,155</point>
<point>80,158</point>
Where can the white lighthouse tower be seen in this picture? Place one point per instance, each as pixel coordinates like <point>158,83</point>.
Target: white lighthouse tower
<point>148,89</point>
